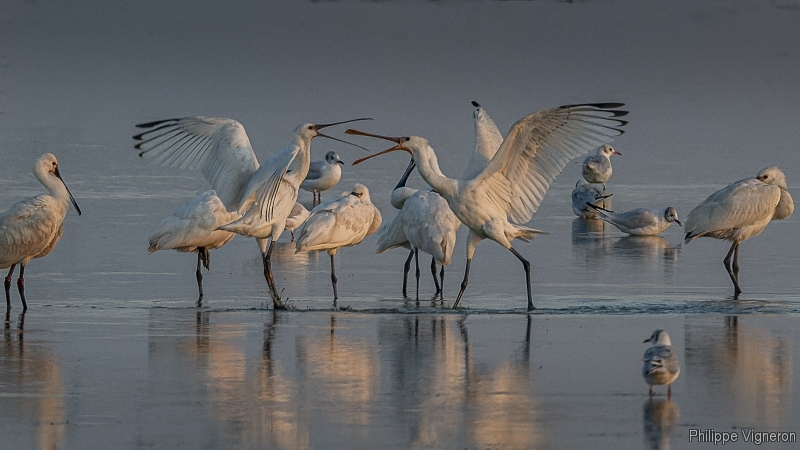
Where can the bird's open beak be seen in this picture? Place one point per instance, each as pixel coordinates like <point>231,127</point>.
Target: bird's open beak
<point>398,140</point>
<point>74,203</point>
<point>319,127</point>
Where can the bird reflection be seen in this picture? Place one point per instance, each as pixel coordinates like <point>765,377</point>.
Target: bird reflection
<point>31,374</point>
<point>747,368</point>
<point>659,418</point>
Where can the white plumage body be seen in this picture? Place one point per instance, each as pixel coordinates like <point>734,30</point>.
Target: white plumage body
<point>661,365</point>
<point>597,168</point>
<point>640,221</point>
<point>323,175</point>
<point>194,224</point>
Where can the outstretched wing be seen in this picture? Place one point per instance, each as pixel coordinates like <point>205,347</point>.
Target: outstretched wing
<point>537,149</point>
<point>487,140</point>
<point>218,147</point>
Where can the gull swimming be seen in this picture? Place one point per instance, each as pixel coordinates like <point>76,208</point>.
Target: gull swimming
<point>660,362</point>
<point>639,221</point>
<point>494,203</point>
<point>740,211</point>
<point>31,228</point>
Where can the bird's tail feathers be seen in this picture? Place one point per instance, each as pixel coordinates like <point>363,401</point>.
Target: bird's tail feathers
<point>525,234</point>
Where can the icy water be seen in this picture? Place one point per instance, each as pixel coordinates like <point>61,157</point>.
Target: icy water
<point>113,353</point>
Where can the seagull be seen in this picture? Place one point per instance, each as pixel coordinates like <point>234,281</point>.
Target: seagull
<point>31,228</point>
<point>262,195</point>
<point>510,189</point>
<point>640,221</point>
<point>323,175</point>
<point>740,211</point>
<point>339,222</point>
<point>297,216</point>
<point>660,362</point>
<point>193,228</point>
<point>588,193</point>
<point>597,168</point>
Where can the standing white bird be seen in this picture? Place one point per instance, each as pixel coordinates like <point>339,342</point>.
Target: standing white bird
<point>740,211</point>
<point>339,222</point>
<point>193,228</point>
<point>323,175</point>
<point>639,221</point>
<point>588,193</point>
<point>296,218</point>
<point>511,188</point>
<point>660,362</point>
<point>262,195</point>
<point>32,227</point>
<point>597,168</point>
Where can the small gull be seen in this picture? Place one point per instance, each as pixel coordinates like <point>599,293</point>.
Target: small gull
<point>323,175</point>
<point>297,217</point>
<point>660,362</point>
<point>597,168</point>
<point>640,221</point>
<point>585,193</point>
<point>740,211</point>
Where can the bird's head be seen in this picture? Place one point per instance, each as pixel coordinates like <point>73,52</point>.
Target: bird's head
<point>361,191</point>
<point>333,158</point>
<point>659,337</point>
<point>607,150</point>
<point>47,166</point>
<point>671,215</point>
<point>405,143</point>
<point>772,175</point>
<point>308,131</point>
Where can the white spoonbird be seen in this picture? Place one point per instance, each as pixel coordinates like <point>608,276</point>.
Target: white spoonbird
<point>511,188</point>
<point>296,218</point>
<point>585,193</point>
<point>339,222</point>
<point>323,175</point>
<point>263,195</point>
<point>32,227</point>
<point>597,168</point>
<point>660,362</point>
<point>740,211</point>
<point>193,228</point>
<point>640,221</point>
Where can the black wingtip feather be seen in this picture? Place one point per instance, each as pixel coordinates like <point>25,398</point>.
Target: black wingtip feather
<point>476,104</point>
<point>154,123</point>
<point>595,105</point>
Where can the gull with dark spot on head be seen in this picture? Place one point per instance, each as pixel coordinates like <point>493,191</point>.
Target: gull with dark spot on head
<point>323,175</point>
<point>660,362</point>
<point>639,221</point>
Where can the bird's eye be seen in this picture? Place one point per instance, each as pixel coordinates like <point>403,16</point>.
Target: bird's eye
<point>310,127</point>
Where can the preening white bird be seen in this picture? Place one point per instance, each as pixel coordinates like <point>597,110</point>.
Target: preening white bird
<point>589,193</point>
<point>263,196</point>
<point>596,168</point>
<point>339,222</point>
<point>32,227</point>
<point>740,211</point>
<point>510,189</point>
<point>296,218</point>
<point>193,227</point>
<point>660,362</point>
<point>323,175</point>
<point>639,221</point>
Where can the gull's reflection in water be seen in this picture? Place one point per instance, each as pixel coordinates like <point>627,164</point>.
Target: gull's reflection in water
<point>747,370</point>
<point>659,418</point>
<point>336,379</point>
<point>30,374</point>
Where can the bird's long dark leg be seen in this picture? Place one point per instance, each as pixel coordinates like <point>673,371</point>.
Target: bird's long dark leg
<point>276,299</point>
<point>441,283</point>
<point>435,279</point>
<point>333,278</point>
<point>416,264</point>
<point>464,283</point>
<point>199,276</point>
<point>7,284</point>
<point>733,269</point>
<point>527,266</point>
<point>406,269</point>
<point>669,392</point>
<point>21,286</point>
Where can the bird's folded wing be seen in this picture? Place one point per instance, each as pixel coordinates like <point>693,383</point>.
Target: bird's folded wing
<point>218,147</point>
<point>736,205</point>
<point>537,149</point>
<point>263,189</point>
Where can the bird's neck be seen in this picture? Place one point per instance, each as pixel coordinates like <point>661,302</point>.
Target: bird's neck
<point>428,167</point>
<point>55,187</point>
<point>785,206</point>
